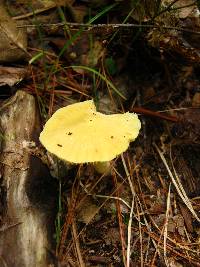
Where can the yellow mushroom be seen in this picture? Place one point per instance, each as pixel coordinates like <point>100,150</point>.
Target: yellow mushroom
<point>79,134</point>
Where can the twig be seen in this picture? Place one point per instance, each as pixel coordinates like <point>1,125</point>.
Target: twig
<point>110,197</point>
<point>108,26</point>
<point>36,12</point>
<point>129,234</point>
<point>77,244</point>
<point>7,227</point>
<point>172,249</point>
<point>121,225</point>
<point>131,212</point>
<point>154,114</point>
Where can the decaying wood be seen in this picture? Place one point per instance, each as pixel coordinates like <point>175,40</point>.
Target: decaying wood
<point>28,199</point>
<point>11,75</point>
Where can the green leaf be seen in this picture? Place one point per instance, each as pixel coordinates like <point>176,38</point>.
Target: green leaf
<point>111,66</point>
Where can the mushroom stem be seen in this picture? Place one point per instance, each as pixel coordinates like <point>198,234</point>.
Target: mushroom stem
<point>103,167</point>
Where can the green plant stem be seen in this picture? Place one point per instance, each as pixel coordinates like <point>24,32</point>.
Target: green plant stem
<point>101,76</point>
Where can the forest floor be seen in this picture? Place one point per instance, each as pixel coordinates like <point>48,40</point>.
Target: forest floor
<point>146,211</point>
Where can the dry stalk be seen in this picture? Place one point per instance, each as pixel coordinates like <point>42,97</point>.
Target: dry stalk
<point>176,182</point>
<point>121,225</point>
<point>68,220</point>
<point>131,212</point>
<point>165,227</point>
<point>77,244</point>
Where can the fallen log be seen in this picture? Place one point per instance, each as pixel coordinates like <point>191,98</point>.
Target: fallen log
<point>27,191</point>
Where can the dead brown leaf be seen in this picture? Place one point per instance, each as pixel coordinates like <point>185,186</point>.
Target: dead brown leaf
<point>10,75</point>
<point>13,40</point>
<point>87,211</point>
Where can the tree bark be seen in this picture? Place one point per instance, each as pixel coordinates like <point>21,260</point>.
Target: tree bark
<point>27,192</point>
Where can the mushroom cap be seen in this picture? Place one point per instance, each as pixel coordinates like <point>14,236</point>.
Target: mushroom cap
<point>79,134</point>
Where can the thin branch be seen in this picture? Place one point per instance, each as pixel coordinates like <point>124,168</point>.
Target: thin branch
<point>108,26</point>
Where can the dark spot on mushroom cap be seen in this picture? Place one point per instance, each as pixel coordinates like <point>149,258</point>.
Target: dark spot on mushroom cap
<point>59,145</point>
<point>90,120</point>
<point>94,113</point>
<point>69,133</point>
<point>112,136</point>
